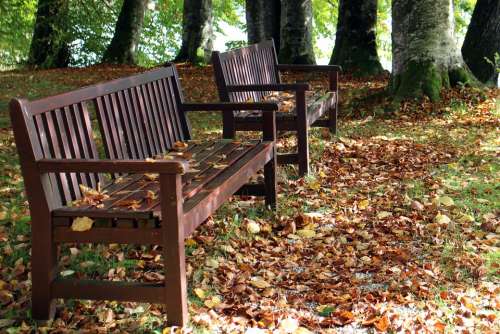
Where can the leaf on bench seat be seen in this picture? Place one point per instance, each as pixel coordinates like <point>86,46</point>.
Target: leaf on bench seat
<point>151,177</point>
<point>82,224</point>
<point>92,197</point>
<point>180,146</point>
<point>131,204</point>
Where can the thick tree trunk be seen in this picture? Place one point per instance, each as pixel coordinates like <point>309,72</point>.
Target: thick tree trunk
<point>263,20</point>
<point>272,21</point>
<point>355,45</point>
<point>425,57</point>
<point>255,20</point>
<point>197,32</point>
<point>483,40</point>
<point>50,45</point>
<point>296,46</point>
<point>123,46</point>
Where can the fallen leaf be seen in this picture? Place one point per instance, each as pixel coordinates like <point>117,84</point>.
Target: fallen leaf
<point>259,282</point>
<point>306,233</point>
<point>382,324</point>
<point>200,293</point>
<point>82,224</point>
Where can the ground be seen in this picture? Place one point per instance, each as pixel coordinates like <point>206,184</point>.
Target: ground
<point>395,230</point>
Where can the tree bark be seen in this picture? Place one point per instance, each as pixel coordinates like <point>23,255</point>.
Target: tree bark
<point>197,32</point>
<point>255,20</point>
<point>263,20</point>
<point>483,40</point>
<point>128,27</point>
<point>425,57</point>
<point>296,46</point>
<point>50,45</point>
<point>355,44</point>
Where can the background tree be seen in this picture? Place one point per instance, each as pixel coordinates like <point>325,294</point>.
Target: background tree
<point>482,40</point>
<point>123,46</point>
<point>196,31</point>
<point>356,42</point>
<point>50,45</point>
<point>296,46</point>
<point>424,49</point>
<point>263,20</point>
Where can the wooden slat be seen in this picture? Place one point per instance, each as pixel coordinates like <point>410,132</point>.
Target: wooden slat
<point>106,290</point>
<point>201,206</point>
<point>109,235</point>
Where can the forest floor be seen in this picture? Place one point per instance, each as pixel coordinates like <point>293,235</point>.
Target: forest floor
<point>395,230</point>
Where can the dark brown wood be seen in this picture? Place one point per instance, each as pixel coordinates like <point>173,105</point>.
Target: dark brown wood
<point>120,291</point>
<point>157,196</point>
<point>252,72</point>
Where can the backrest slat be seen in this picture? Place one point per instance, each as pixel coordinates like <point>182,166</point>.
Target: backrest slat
<point>139,117</point>
<point>251,65</point>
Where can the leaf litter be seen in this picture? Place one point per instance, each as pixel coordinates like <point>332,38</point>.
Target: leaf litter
<point>375,241</point>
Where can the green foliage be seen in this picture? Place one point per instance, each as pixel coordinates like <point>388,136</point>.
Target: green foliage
<point>161,32</point>
<point>17,18</point>
<point>463,13</point>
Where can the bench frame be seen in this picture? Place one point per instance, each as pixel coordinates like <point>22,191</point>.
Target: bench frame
<point>47,232</point>
<point>258,64</point>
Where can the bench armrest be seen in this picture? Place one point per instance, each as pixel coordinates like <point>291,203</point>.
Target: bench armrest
<point>299,86</point>
<point>231,106</point>
<point>177,166</point>
<point>312,68</point>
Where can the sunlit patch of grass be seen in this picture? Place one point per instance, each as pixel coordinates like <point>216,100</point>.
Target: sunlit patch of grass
<point>493,264</point>
<point>473,183</point>
<point>416,189</point>
<point>91,262</point>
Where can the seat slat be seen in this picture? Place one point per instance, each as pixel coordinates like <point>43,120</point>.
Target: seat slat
<point>107,290</point>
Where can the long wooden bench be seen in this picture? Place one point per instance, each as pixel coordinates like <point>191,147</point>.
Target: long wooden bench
<point>252,73</point>
<point>162,185</point>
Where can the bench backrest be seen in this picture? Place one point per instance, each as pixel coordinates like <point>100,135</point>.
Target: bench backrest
<point>138,116</point>
<point>254,64</point>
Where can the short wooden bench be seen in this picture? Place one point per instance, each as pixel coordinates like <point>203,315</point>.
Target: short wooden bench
<point>251,73</point>
<point>162,185</point>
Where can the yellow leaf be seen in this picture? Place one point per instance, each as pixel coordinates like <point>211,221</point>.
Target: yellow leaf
<point>212,302</point>
<point>191,242</point>
<point>253,227</point>
<point>200,293</point>
<point>3,214</point>
<point>82,224</point>
<point>363,204</point>
<point>444,201</point>
<point>306,233</point>
<point>442,219</point>
<point>302,330</point>
<point>259,282</point>
<point>383,214</point>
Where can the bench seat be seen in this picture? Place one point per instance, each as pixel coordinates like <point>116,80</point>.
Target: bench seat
<point>317,106</point>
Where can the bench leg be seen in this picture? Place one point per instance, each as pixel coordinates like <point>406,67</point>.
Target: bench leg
<point>173,250</point>
<point>302,134</point>
<point>43,266</point>
<point>332,119</point>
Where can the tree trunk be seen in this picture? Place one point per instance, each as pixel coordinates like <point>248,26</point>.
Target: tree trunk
<point>255,20</point>
<point>425,57</point>
<point>50,46</point>
<point>197,32</point>
<point>296,46</point>
<point>355,45</point>
<point>263,20</point>
<point>123,46</point>
<point>483,40</point>
<point>272,21</point>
